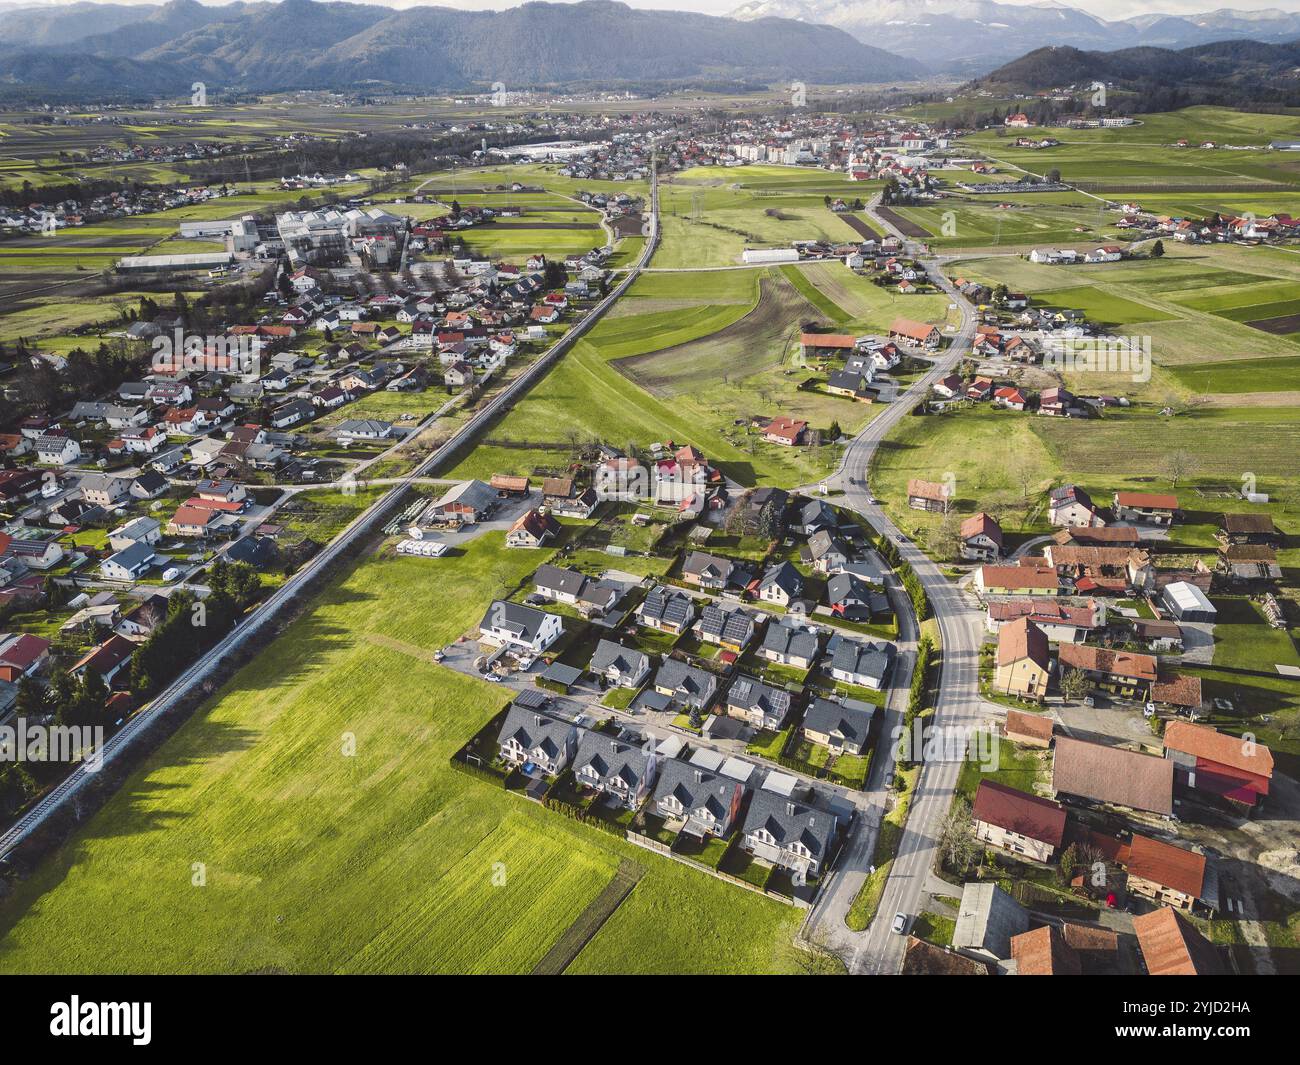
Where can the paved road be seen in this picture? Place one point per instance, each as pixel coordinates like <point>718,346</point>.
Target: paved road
<point>878,950</point>
<point>361,526</point>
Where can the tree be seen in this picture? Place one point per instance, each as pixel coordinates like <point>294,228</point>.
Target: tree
<point>1054,176</point>
<point>957,842</point>
<point>1068,863</point>
<point>1178,464</point>
<point>1158,249</point>
<point>696,719</point>
<point>946,539</point>
<point>31,698</point>
<point>1075,684</point>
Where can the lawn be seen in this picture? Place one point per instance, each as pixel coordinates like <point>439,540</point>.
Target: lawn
<point>1009,766</point>
<point>385,861</point>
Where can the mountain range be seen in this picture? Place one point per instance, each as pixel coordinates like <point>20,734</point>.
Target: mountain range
<point>974,36</point>
<point>302,44</point>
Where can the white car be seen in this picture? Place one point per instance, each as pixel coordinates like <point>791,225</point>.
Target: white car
<point>492,678</point>
<point>900,923</point>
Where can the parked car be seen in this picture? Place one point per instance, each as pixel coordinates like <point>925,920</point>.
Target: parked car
<point>900,923</point>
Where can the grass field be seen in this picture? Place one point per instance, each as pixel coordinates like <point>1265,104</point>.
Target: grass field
<point>384,861</point>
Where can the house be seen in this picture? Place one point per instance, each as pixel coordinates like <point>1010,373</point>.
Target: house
<point>22,655</point>
<point>129,564</point>
<point>948,387</point>
<point>927,495</point>
<point>1159,635</point>
<point>789,432</point>
<point>1126,671</point>
<point>1044,951</point>
<point>195,521</point>
<point>708,571</point>
<point>849,597</point>
<point>1017,821</point>
<point>1010,397</point>
<point>827,553</point>
<point>860,662</point>
<point>1148,508</point>
<point>149,484</point>
<point>842,727</point>
<point>763,706</point>
<point>1070,505</point>
<point>295,412</point>
<point>1228,766</point>
<point>729,629</point>
<point>851,383</point>
<point>105,490</point>
<point>1171,946</point>
<point>1062,622</point>
<point>814,515</point>
<point>514,625</point>
<point>532,529</point>
<point>780,584</point>
<point>1056,402</point>
<point>789,834</point>
<point>920,333</point>
<point>623,771</point>
<point>221,490</point>
<point>108,659</point>
<point>987,919</point>
<point>1017,580</point>
<point>559,584</point>
<point>789,644</point>
<point>509,487</point>
<point>1024,666</point>
<point>707,802</point>
<point>619,665</point>
<point>666,609</point>
<point>527,736</point>
<point>981,538</point>
<point>1029,730</point>
<point>1167,874</point>
<point>688,686</point>
<point>1113,776</point>
<point>54,450</point>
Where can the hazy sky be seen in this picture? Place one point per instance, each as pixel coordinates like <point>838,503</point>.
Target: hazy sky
<point>1110,9</point>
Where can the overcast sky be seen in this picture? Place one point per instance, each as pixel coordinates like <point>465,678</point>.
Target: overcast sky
<point>1110,9</point>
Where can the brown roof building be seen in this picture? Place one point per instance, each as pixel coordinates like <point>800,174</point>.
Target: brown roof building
<point>1113,775</point>
<point>1044,952</point>
<point>1171,946</point>
<point>1029,730</point>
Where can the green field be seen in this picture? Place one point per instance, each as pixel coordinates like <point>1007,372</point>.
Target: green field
<point>385,860</point>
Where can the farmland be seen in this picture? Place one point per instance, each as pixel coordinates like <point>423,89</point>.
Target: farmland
<point>387,860</point>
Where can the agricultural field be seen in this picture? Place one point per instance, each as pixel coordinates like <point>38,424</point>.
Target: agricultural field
<point>979,222</point>
<point>1195,304</point>
<point>710,215</point>
<point>387,860</point>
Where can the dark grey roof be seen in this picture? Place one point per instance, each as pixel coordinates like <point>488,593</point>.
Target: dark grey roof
<point>612,758</point>
<point>523,620</point>
<point>534,730</point>
<point>733,626</point>
<point>694,787</point>
<point>844,586</point>
<point>790,640</point>
<point>851,722</point>
<point>749,694</point>
<point>785,577</point>
<point>532,698</point>
<point>790,821</point>
<point>862,657</point>
<point>608,653</point>
<point>689,682</point>
<point>702,564</point>
<point>817,512</point>
<point>823,542</point>
<point>667,605</point>
<point>559,579</point>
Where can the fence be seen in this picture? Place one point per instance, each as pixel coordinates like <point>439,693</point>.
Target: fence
<point>659,847</point>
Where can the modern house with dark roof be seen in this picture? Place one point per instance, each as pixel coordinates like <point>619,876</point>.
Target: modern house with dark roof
<point>623,771</point>
<point>760,704</point>
<point>708,571</point>
<point>730,629</point>
<point>666,609</point>
<point>789,644</point>
<point>789,834</point>
<point>780,584</point>
<point>707,802</point>
<point>527,736</point>
<point>842,727</point>
<point>619,665</point>
<point>516,625</point>
<point>689,686</point>
<point>860,662</point>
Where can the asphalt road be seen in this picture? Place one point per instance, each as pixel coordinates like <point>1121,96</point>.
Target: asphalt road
<point>878,949</point>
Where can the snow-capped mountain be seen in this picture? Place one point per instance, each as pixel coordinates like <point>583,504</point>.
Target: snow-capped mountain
<point>974,35</point>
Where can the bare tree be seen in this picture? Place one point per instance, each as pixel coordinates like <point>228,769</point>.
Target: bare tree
<point>1179,464</point>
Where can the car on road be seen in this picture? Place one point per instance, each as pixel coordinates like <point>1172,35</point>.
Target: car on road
<point>901,538</point>
<point>900,923</point>
<point>492,678</point>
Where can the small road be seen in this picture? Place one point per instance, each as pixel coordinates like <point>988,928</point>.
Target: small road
<point>878,950</point>
<point>363,525</point>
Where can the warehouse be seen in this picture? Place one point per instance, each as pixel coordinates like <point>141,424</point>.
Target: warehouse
<point>770,255</point>
<point>161,264</point>
<point>1188,603</point>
